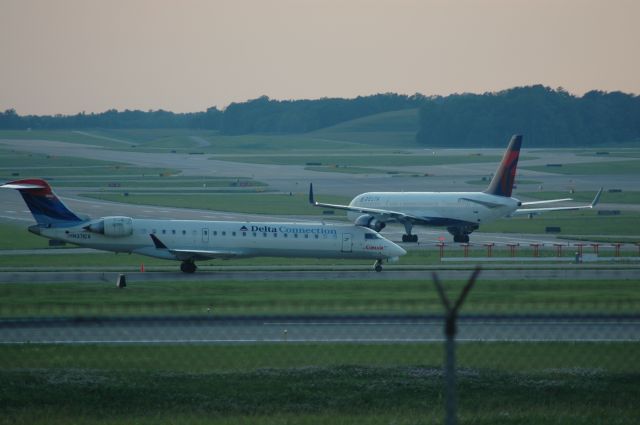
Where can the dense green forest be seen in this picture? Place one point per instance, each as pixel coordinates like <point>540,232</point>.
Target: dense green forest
<point>546,116</point>
<point>261,115</point>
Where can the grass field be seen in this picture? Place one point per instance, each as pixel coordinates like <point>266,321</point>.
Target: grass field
<point>15,236</point>
<point>360,160</point>
<point>272,204</point>
<point>592,168</point>
<point>12,158</point>
<point>312,297</point>
<point>345,169</point>
<point>155,182</point>
<point>189,140</point>
<point>499,383</point>
<point>15,165</point>
<point>571,223</point>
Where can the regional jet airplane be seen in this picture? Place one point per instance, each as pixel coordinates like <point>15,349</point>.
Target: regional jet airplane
<point>460,212</point>
<point>190,240</point>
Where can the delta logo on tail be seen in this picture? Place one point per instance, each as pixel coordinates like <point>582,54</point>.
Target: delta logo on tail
<point>45,206</point>
<point>502,182</point>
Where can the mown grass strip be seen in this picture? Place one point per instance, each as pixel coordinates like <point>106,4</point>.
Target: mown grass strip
<point>346,296</point>
<point>288,383</point>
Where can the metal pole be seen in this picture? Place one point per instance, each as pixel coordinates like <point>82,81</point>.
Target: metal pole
<point>450,330</point>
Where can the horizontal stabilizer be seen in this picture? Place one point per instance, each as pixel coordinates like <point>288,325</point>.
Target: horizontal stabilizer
<point>548,201</point>
<point>535,211</point>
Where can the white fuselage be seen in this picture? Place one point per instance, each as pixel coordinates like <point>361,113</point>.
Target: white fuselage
<point>443,208</point>
<point>232,239</point>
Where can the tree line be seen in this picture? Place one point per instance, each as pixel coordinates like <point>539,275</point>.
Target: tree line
<point>261,115</point>
<point>547,117</point>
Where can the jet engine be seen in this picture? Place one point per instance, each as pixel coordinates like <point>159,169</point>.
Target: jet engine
<point>114,227</point>
<point>371,222</point>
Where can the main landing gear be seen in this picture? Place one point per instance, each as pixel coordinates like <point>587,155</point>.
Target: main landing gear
<point>378,266</point>
<point>188,267</point>
<point>461,234</point>
<point>408,237</point>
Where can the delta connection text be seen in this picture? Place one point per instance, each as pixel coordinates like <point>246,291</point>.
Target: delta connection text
<point>292,230</point>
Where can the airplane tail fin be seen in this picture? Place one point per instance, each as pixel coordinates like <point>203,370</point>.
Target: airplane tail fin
<point>502,182</point>
<point>47,209</point>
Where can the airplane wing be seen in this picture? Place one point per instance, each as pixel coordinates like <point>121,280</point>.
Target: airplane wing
<point>201,254</point>
<point>380,214</point>
<point>535,211</point>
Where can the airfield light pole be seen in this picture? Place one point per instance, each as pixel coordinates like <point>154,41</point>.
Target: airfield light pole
<point>558,249</point>
<point>616,247</point>
<point>450,330</point>
<point>536,249</point>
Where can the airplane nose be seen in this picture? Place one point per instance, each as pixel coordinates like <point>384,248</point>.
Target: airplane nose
<point>395,250</point>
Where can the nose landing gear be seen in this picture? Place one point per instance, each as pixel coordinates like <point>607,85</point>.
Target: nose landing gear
<point>378,266</point>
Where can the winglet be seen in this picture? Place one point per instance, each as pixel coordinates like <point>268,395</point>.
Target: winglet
<point>596,199</point>
<point>157,242</point>
<point>312,201</point>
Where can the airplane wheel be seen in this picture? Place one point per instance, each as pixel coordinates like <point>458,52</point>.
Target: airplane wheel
<point>378,266</point>
<point>414,238</point>
<point>188,267</point>
<point>409,238</point>
<point>465,239</point>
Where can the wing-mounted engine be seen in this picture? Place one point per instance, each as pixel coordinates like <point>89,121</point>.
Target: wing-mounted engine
<point>371,222</point>
<point>114,227</point>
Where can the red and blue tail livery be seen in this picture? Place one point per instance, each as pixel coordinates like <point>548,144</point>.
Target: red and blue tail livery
<point>46,207</point>
<point>502,182</point>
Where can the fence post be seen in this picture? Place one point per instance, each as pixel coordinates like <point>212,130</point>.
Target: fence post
<point>450,330</point>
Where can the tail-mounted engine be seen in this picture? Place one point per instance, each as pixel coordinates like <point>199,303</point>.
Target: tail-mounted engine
<point>114,227</point>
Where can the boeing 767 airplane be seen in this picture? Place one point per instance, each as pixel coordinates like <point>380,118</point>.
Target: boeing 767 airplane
<point>190,240</point>
<point>460,212</point>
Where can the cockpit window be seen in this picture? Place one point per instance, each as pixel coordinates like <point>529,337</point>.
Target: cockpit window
<point>371,236</point>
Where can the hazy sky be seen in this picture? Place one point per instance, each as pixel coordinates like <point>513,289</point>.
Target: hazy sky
<point>68,56</point>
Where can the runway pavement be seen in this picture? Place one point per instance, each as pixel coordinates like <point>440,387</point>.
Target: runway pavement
<point>322,273</point>
<point>301,329</point>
